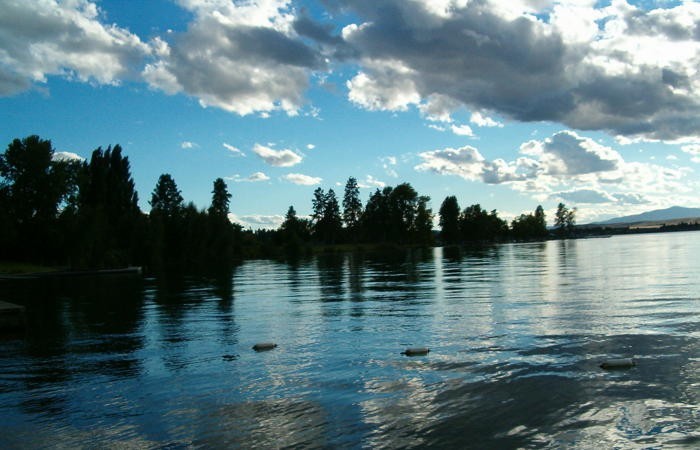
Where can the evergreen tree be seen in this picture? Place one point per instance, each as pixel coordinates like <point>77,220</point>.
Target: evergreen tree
<point>166,199</point>
<point>352,205</point>
<point>220,200</point>
<point>332,223</point>
<point>449,220</point>
<point>318,206</point>
<point>375,220</point>
<point>221,240</point>
<point>293,232</point>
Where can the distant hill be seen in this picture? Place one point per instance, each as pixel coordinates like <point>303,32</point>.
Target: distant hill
<point>672,213</point>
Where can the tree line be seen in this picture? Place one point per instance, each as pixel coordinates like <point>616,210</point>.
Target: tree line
<point>85,214</point>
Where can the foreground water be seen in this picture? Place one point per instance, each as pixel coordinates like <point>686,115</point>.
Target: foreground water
<point>516,335</point>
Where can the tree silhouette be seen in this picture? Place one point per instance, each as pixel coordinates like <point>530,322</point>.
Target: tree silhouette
<point>33,186</point>
<point>423,227</point>
<point>476,224</point>
<point>166,199</point>
<point>564,220</point>
<point>530,226</point>
<point>111,225</point>
<point>220,199</point>
<point>352,206</point>
<point>449,220</point>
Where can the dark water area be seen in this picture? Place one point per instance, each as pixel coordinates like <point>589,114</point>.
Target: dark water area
<point>516,334</point>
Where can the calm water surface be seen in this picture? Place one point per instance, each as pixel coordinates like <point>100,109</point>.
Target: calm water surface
<point>516,334</point>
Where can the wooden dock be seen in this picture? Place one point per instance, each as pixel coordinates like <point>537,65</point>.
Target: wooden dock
<point>11,317</point>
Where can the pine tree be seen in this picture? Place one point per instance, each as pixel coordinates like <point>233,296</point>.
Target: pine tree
<point>352,205</point>
<point>166,199</point>
<point>220,200</point>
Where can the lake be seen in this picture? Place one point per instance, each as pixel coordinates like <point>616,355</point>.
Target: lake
<point>516,334</point>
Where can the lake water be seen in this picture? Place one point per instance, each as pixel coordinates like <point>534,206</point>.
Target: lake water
<point>516,334</point>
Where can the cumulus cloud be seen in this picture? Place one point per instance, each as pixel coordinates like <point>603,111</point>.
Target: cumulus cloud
<point>389,86</point>
<point>465,162</point>
<point>233,149</point>
<point>252,178</point>
<point>39,39</point>
<point>243,57</point>
<point>569,167</point>
<point>567,153</point>
<point>277,158</point>
<point>621,68</point>
<point>301,179</point>
<point>188,145</point>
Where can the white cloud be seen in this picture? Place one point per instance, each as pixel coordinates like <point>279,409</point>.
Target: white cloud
<point>188,145</point>
<point>389,87</point>
<point>572,168</point>
<point>465,162</point>
<point>480,120</point>
<point>277,158</point>
<point>301,179</point>
<point>234,150</point>
<point>438,108</point>
<point>371,182</point>
<point>567,153</point>
<point>43,38</point>
<point>242,57</point>
<point>252,178</point>
<point>462,130</point>
<point>310,146</point>
<point>627,69</point>
<point>67,156</point>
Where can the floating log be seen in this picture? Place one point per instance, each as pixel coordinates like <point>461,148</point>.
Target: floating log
<point>416,351</point>
<point>619,363</point>
<point>11,316</point>
<point>264,346</point>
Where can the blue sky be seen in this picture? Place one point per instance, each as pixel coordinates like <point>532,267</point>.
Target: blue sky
<point>507,104</point>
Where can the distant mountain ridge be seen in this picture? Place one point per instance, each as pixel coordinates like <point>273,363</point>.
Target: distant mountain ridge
<point>672,213</point>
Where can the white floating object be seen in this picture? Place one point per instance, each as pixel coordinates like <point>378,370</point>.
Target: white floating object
<point>416,351</point>
<point>264,346</point>
<point>620,363</point>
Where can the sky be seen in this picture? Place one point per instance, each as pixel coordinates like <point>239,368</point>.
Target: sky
<point>513,104</point>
